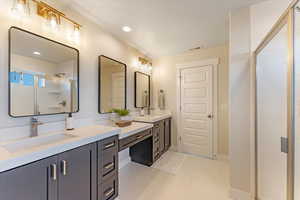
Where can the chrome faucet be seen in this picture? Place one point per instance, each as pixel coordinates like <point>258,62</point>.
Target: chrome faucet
<point>34,123</point>
<point>149,110</point>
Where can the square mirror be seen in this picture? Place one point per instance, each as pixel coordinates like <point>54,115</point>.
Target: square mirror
<point>43,75</point>
<point>142,90</point>
<point>112,84</point>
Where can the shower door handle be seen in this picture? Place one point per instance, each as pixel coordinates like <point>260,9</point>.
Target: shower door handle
<point>284,145</point>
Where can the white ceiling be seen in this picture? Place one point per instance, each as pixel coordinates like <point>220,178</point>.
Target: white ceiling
<point>163,27</point>
<point>23,43</point>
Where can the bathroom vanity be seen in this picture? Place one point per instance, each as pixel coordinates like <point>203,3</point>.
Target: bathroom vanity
<point>161,133</point>
<point>83,167</point>
<point>146,146</point>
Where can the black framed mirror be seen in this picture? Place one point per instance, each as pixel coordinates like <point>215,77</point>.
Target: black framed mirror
<point>43,75</point>
<point>142,90</point>
<point>112,85</point>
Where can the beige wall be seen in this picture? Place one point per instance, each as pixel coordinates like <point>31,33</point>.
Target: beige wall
<point>164,77</point>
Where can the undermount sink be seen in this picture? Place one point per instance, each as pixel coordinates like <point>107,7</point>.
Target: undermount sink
<point>24,144</point>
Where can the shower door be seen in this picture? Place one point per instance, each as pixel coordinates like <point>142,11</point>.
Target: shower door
<point>273,103</point>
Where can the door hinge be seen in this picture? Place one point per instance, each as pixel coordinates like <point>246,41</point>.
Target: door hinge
<point>284,145</point>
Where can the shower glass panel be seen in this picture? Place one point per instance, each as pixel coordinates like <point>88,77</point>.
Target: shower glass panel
<point>297,100</point>
<point>272,91</point>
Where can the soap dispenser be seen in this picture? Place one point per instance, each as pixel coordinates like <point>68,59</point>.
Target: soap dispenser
<point>69,122</point>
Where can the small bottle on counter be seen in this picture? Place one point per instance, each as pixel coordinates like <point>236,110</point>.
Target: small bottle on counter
<point>69,122</point>
<point>142,112</point>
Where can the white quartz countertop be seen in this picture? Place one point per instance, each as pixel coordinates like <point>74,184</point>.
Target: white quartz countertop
<point>153,117</point>
<point>79,137</point>
<point>15,156</point>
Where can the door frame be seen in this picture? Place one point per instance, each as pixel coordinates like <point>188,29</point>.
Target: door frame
<point>214,62</point>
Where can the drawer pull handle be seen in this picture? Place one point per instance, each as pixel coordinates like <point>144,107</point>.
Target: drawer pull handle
<point>139,137</point>
<point>64,167</point>
<point>109,166</point>
<point>53,172</point>
<point>109,145</point>
<point>110,192</point>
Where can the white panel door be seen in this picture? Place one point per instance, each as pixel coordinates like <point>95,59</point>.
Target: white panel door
<point>196,111</point>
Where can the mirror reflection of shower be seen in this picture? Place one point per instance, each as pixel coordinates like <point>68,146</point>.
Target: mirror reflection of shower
<point>43,76</point>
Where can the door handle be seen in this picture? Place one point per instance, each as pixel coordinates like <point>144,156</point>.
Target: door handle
<point>210,116</point>
<point>64,167</point>
<point>53,175</point>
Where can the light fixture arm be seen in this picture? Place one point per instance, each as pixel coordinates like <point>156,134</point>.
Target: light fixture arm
<point>44,9</point>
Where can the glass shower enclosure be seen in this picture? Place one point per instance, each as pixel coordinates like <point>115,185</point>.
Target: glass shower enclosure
<point>278,110</point>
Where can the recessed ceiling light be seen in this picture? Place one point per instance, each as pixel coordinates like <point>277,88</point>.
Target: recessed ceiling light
<point>37,53</point>
<point>126,29</point>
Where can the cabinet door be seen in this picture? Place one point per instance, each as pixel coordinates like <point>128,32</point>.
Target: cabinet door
<point>35,181</point>
<point>167,134</point>
<point>161,136</point>
<point>77,173</point>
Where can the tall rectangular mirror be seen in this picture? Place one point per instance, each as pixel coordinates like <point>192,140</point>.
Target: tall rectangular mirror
<point>142,90</point>
<point>112,84</point>
<point>43,75</point>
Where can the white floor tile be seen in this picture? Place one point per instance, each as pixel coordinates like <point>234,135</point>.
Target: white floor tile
<point>176,176</point>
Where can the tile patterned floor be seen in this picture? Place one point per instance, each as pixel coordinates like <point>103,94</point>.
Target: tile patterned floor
<point>176,176</point>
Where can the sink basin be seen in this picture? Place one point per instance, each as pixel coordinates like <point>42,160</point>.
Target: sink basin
<point>24,144</point>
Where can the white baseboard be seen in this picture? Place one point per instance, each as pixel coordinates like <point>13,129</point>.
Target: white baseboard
<point>236,194</point>
<point>223,157</point>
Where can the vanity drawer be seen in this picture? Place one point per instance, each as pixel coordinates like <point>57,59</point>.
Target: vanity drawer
<point>132,140</point>
<point>155,146</point>
<point>108,144</point>
<point>108,190</point>
<point>127,142</point>
<point>156,132</point>
<point>107,158</point>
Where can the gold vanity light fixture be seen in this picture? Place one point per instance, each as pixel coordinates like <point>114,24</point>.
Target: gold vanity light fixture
<point>20,8</point>
<point>52,15</point>
<point>144,65</point>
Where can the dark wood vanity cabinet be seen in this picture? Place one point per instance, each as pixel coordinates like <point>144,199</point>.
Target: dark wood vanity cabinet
<point>30,182</point>
<point>89,172</point>
<point>167,129</point>
<point>146,150</point>
<point>62,177</point>
<point>76,171</point>
<point>108,182</point>
<point>161,138</point>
